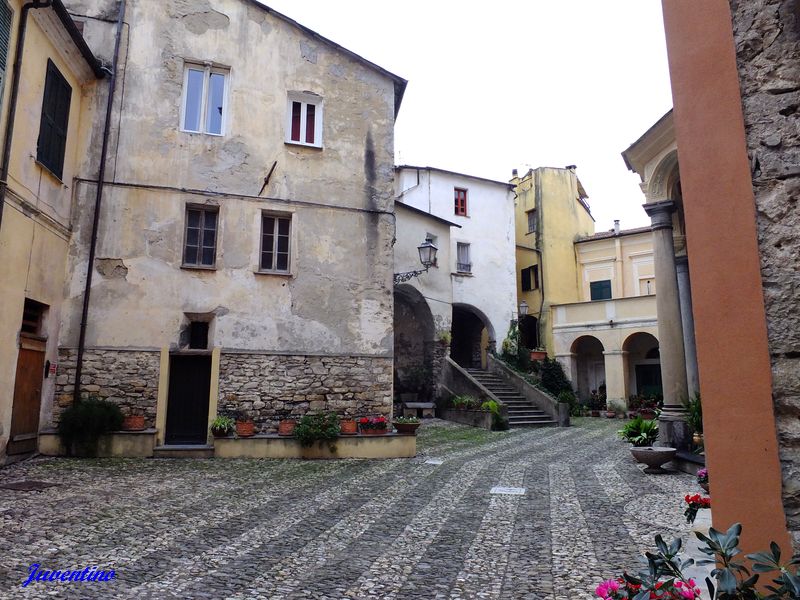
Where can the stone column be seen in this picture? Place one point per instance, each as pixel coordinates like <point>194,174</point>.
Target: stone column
<point>616,380</point>
<point>673,430</point>
<point>687,323</point>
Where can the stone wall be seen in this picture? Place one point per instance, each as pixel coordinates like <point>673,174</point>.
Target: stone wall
<point>128,378</point>
<point>269,388</point>
<point>767,36</point>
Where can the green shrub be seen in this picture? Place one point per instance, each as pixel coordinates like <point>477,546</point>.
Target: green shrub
<point>640,432</point>
<point>465,402</point>
<point>491,406</point>
<point>499,423</point>
<point>319,428</point>
<point>554,380</point>
<point>83,423</point>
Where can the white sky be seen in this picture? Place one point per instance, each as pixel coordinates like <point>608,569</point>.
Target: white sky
<point>506,84</point>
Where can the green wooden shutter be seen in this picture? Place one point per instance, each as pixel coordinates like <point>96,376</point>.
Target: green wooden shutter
<point>54,121</point>
<point>526,279</point>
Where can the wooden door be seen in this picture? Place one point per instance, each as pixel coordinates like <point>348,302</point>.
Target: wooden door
<point>187,403</point>
<point>27,398</point>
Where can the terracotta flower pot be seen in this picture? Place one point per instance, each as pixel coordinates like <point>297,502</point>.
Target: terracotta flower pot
<point>286,427</point>
<point>133,423</point>
<point>610,414</point>
<point>538,355</point>
<point>595,413</point>
<point>374,431</point>
<point>245,428</point>
<point>348,427</point>
<point>647,413</point>
<point>407,427</point>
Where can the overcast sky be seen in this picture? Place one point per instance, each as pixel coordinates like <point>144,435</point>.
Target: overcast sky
<point>506,84</point>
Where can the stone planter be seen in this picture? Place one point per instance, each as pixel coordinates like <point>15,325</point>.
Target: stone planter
<point>654,457</point>
<point>286,427</point>
<point>348,427</point>
<point>133,423</point>
<point>245,428</point>
<point>407,427</point>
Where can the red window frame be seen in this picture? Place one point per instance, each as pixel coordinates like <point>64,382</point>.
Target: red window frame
<point>460,201</point>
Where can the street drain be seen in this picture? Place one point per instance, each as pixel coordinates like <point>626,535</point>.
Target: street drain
<point>27,486</point>
<point>507,491</point>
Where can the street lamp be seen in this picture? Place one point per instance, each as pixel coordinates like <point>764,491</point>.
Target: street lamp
<point>523,309</point>
<point>427,256</point>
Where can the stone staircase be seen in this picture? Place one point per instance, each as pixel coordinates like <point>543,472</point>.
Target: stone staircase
<point>521,411</point>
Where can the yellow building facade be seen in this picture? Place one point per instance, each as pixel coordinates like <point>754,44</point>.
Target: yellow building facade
<point>590,296</point>
<point>44,145</point>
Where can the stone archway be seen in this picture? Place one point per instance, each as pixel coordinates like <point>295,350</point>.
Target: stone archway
<point>472,334</point>
<point>643,364</point>
<point>590,369</point>
<point>414,366</point>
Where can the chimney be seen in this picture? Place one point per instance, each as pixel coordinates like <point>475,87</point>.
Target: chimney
<point>616,226</point>
<point>514,173</point>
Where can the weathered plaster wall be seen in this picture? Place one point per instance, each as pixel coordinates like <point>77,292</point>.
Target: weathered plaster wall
<point>270,388</point>
<point>36,216</point>
<point>338,298</point>
<point>767,36</point>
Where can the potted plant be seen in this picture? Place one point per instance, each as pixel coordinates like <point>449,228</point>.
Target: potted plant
<point>406,424</point>
<point>321,428</point>
<point>373,425</point>
<point>702,479</point>
<point>694,418</point>
<point>222,426</point>
<point>611,414</point>
<point>693,504</point>
<point>133,423</point>
<point>538,354</point>
<point>597,403</point>
<point>643,433</point>
<point>286,427</point>
<point>445,337</point>
<point>245,427</point>
<point>348,426</point>
<point>82,424</point>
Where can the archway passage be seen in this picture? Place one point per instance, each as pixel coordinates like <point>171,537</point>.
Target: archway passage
<point>413,340</point>
<point>471,334</point>
<point>529,332</point>
<point>644,365</point>
<point>591,369</point>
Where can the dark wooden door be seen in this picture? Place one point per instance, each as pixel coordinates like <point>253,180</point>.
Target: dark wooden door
<point>27,399</point>
<point>187,403</point>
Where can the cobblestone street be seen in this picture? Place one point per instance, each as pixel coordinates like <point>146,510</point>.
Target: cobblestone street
<point>404,528</point>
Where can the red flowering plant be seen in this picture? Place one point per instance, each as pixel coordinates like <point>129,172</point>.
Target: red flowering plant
<point>695,503</point>
<point>377,423</point>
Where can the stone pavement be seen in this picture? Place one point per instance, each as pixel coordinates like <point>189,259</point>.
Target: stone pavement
<point>403,528</point>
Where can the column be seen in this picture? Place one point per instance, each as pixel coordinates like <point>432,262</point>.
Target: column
<point>616,380</point>
<point>687,322</point>
<point>673,430</point>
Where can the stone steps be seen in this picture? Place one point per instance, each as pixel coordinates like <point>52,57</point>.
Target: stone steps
<point>521,411</point>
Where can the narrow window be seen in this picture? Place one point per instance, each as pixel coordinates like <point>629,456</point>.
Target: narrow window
<point>600,290</point>
<point>304,119</point>
<point>198,335</point>
<point>532,221</point>
<point>55,118</point>
<point>32,317</point>
<point>204,97</point>
<point>460,202</point>
<point>463,264</point>
<point>201,237</point>
<point>526,279</point>
<point>275,243</point>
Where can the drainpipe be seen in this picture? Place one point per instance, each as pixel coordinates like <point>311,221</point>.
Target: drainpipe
<point>537,203</point>
<point>76,390</point>
<point>12,109</point>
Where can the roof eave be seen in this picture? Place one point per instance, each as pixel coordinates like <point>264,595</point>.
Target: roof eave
<point>70,27</point>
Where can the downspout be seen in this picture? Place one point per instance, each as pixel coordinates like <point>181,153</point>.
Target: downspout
<point>76,393</point>
<point>12,109</point>
<point>537,203</point>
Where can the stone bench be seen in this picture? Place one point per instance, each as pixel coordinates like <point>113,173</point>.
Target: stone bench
<point>411,409</point>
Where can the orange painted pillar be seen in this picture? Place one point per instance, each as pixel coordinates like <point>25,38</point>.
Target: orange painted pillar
<point>730,323</point>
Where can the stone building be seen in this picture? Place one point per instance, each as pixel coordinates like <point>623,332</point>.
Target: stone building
<point>736,93</point>
<point>478,262</point>
<point>244,246</point>
<point>48,80</point>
